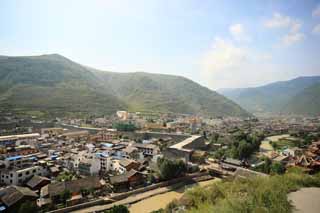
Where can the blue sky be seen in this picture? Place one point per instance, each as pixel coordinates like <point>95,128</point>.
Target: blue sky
<point>220,44</point>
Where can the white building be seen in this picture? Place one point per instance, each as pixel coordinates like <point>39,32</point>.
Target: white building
<point>19,176</point>
<point>89,163</point>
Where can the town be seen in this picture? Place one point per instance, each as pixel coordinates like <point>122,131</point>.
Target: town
<point>93,164</point>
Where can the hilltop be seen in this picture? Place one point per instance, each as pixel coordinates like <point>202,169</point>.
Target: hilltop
<point>55,85</point>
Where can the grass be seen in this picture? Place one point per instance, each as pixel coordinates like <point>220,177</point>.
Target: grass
<point>259,194</point>
<point>285,143</point>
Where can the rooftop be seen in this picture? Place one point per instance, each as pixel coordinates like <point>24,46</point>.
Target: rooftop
<point>185,142</point>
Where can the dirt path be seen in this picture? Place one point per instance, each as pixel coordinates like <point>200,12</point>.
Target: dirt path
<point>306,200</point>
<point>136,198</point>
<point>160,201</point>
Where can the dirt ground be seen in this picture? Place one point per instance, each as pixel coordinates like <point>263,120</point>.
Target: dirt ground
<point>306,200</point>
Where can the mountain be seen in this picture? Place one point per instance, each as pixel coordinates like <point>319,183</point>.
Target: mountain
<point>306,102</point>
<point>272,98</point>
<point>57,85</point>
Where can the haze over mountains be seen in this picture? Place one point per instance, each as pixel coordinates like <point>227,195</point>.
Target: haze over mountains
<point>299,96</point>
<point>57,85</point>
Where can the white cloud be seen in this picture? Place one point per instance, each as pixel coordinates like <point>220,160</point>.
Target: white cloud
<point>278,21</point>
<point>292,25</point>
<point>292,38</point>
<point>223,55</point>
<point>316,29</point>
<point>316,11</point>
<point>228,65</point>
<point>238,33</point>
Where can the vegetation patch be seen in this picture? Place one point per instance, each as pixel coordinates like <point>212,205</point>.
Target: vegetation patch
<point>259,194</point>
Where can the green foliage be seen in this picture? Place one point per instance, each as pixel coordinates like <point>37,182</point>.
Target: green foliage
<point>171,169</point>
<point>256,194</point>
<point>127,127</point>
<point>54,85</point>
<point>277,168</point>
<point>171,206</point>
<point>65,176</point>
<point>244,145</point>
<point>27,207</point>
<point>118,209</point>
<point>65,195</point>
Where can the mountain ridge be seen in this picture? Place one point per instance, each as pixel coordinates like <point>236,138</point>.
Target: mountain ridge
<point>273,97</point>
<point>57,84</point>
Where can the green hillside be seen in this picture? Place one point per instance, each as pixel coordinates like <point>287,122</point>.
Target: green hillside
<point>56,85</point>
<point>144,91</point>
<point>306,102</point>
<point>271,98</point>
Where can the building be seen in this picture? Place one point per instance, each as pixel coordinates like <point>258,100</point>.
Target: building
<point>18,176</point>
<point>184,149</point>
<point>51,132</point>
<point>37,182</point>
<point>50,193</point>
<point>127,165</point>
<point>13,196</point>
<point>87,164</point>
<point>147,149</point>
<point>127,180</point>
<point>123,115</point>
<point>12,140</point>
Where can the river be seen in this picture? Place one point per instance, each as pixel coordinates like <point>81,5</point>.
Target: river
<point>160,201</point>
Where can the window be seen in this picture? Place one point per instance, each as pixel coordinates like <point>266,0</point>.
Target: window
<point>10,181</point>
<point>27,172</point>
<point>20,175</point>
<point>34,171</point>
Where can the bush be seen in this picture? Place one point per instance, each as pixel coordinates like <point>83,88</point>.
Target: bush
<point>118,209</point>
<point>257,194</point>
<point>171,169</point>
<point>27,207</point>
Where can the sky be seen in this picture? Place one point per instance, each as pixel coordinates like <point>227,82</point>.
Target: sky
<point>219,44</point>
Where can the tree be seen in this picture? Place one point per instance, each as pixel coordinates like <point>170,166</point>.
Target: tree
<point>28,207</point>
<point>127,127</point>
<point>266,166</point>
<point>277,168</point>
<point>171,169</point>
<point>244,149</point>
<point>118,209</point>
<point>65,195</point>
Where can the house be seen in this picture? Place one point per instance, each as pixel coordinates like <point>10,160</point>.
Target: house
<point>132,152</point>
<point>76,135</point>
<point>293,152</point>
<point>13,196</point>
<point>37,182</point>
<point>52,191</point>
<point>282,159</point>
<point>18,176</point>
<point>123,182</point>
<point>87,163</point>
<point>147,149</point>
<point>51,132</point>
<point>127,165</point>
<point>232,162</point>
